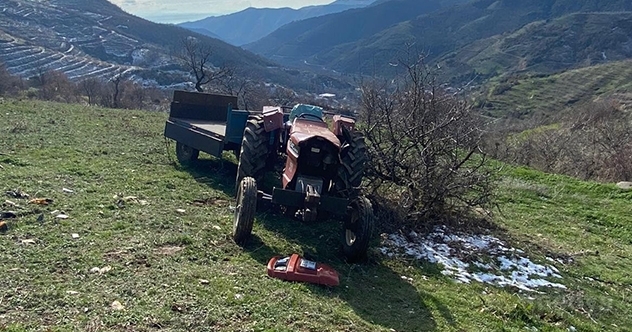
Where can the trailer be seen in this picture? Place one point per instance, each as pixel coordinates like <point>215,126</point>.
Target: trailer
<point>204,122</point>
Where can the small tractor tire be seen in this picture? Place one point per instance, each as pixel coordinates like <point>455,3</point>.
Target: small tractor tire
<point>245,209</point>
<point>358,229</point>
<point>254,151</point>
<point>353,159</point>
<point>186,155</point>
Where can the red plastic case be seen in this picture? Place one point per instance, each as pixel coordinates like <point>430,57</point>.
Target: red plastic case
<point>296,268</point>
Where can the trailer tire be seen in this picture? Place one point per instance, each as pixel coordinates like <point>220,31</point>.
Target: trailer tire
<point>358,229</point>
<point>353,157</point>
<point>186,155</point>
<point>254,151</point>
<point>245,209</point>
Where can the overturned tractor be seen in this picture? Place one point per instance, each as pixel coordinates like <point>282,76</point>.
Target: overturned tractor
<point>322,171</point>
<point>321,178</point>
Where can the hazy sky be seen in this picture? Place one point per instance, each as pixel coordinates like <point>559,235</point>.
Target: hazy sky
<point>176,11</point>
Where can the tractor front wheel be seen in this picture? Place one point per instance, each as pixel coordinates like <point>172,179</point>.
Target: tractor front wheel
<point>353,163</point>
<point>358,229</point>
<point>245,209</point>
<point>186,155</point>
<point>254,151</point>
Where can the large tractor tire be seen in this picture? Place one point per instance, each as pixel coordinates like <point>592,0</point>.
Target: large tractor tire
<point>353,163</point>
<point>254,151</point>
<point>358,229</point>
<point>245,209</point>
<point>186,155</point>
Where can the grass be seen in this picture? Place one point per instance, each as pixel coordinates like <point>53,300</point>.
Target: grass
<point>550,94</point>
<point>181,271</point>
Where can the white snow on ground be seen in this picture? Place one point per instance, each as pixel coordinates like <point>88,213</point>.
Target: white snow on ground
<point>489,260</point>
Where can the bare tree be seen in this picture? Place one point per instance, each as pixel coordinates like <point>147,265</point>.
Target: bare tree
<point>196,57</point>
<point>423,145</point>
<point>592,142</point>
<point>55,85</point>
<point>134,95</point>
<point>283,96</point>
<point>116,90</point>
<point>9,84</point>
<point>250,94</point>
<point>91,87</point>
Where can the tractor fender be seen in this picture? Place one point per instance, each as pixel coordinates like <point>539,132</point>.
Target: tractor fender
<point>272,118</point>
<point>343,121</point>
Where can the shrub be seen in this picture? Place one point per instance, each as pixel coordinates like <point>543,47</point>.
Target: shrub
<point>591,142</point>
<point>423,147</point>
<point>9,84</point>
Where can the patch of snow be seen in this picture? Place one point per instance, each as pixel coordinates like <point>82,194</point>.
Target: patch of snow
<point>489,260</point>
<point>327,95</point>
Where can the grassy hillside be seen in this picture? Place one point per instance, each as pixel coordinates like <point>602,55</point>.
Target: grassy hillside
<point>174,270</point>
<point>574,40</point>
<point>552,93</point>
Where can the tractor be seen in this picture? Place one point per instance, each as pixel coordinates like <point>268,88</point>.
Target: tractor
<point>322,168</point>
<point>321,178</point>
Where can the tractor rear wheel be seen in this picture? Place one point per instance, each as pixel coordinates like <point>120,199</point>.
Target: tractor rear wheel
<point>186,155</point>
<point>358,229</point>
<point>245,209</point>
<point>254,151</point>
<point>353,163</point>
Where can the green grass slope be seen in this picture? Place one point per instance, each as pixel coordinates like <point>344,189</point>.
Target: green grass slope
<point>552,93</point>
<point>173,270</point>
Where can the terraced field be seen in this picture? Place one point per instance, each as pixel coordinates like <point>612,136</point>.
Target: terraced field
<point>39,36</point>
<point>546,95</point>
<point>27,61</point>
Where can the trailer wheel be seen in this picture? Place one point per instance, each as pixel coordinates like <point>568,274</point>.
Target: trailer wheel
<point>254,151</point>
<point>186,155</point>
<point>245,209</point>
<point>353,163</point>
<point>358,229</point>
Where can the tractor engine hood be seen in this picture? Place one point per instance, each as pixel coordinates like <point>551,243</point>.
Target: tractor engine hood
<point>303,129</point>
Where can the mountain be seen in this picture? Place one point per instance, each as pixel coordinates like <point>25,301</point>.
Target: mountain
<point>304,40</point>
<point>450,29</point>
<point>547,47</point>
<point>435,32</point>
<point>253,24</point>
<point>94,38</point>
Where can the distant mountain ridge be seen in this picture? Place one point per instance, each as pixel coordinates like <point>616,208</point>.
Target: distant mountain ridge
<point>547,46</point>
<point>437,32</point>
<point>252,24</point>
<point>306,40</point>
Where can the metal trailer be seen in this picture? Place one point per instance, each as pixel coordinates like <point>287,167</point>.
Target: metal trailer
<point>204,122</point>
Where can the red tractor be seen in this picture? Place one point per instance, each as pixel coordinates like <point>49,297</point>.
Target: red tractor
<point>321,178</point>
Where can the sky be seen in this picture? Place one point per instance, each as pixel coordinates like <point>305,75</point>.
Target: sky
<point>177,11</point>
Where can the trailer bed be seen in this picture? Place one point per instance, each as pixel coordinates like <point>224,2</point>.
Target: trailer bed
<point>214,128</point>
